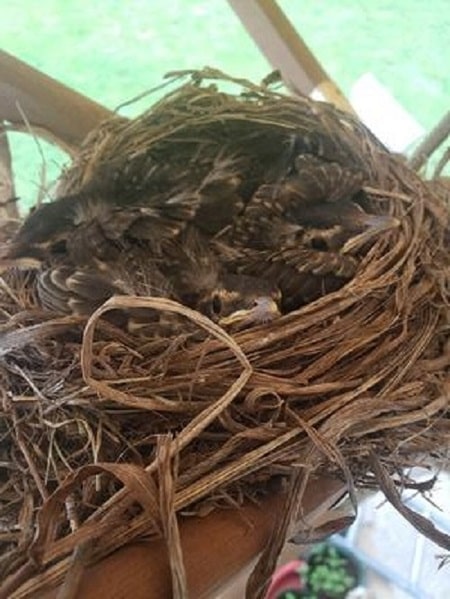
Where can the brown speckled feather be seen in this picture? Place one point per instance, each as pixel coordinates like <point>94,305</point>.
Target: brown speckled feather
<point>82,289</point>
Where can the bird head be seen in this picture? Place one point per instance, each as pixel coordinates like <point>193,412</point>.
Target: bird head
<point>240,300</point>
<point>43,228</point>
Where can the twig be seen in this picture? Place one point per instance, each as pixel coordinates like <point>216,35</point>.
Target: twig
<point>441,164</point>
<point>430,143</point>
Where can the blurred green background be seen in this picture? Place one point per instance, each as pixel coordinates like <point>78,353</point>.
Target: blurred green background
<point>113,50</point>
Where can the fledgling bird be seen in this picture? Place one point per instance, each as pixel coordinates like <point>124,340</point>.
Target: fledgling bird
<point>82,228</point>
<point>201,281</point>
<point>230,300</point>
<point>316,194</point>
<point>87,250</point>
<point>300,232</point>
<point>96,221</point>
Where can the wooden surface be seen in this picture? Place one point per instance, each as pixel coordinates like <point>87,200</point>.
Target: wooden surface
<point>216,549</point>
<point>55,111</point>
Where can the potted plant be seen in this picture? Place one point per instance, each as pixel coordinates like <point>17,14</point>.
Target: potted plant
<point>288,581</point>
<point>331,573</point>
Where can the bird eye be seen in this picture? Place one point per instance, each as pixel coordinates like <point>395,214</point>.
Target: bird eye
<point>216,304</point>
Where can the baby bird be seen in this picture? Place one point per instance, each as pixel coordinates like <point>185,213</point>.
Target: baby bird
<point>301,232</point>
<point>87,250</point>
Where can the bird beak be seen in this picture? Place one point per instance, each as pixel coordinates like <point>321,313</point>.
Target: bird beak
<point>265,310</point>
<point>375,224</point>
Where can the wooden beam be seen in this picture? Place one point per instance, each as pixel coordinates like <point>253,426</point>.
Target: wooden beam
<point>54,110</point>
<point>286,51</point>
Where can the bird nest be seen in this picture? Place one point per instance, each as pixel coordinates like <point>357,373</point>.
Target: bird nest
<point>99,423</point>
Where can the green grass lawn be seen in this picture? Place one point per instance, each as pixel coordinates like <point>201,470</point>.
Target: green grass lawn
<point>113,50</point>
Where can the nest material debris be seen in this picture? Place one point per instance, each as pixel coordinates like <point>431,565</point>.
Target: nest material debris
<point>93,419</point>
